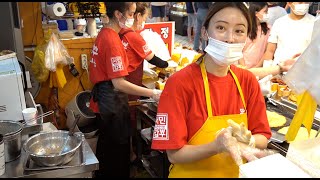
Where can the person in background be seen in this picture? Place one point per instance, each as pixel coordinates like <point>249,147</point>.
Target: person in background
<point>291,34</point>
<point>256,43</point>
<point>168,9</point>
<point>287,8</point>
<point>198,101</point>
<point>191,10</point>
<point>109,99</point>
<point>275,11</point>
<point>158,10</point>
<point>202,10</point>
<point>137,50</point>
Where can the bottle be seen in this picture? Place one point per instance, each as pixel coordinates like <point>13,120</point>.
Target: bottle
<point>2,158</point>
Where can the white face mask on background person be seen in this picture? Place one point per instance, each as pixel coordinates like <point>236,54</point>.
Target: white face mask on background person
<point>142,25</point>
<point>128,23</point>
<point>300,9</point>
<point>224,54</point>
<point>265,18</point>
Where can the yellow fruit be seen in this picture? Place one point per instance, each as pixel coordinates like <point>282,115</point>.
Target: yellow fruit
<point>160,85</point>
<point>176,57</point>
<point>184,61</point>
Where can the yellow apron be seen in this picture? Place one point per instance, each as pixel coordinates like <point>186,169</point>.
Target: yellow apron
<point>220,165</point>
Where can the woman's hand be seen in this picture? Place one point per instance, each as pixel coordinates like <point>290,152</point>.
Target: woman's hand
<point>287,64</point>
<point>225,142</point>
<point>241,133</point>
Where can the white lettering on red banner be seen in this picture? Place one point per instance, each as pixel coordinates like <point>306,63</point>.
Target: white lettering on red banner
<point>165,32</point>
<point>160,131</point>
<point>116,64</point>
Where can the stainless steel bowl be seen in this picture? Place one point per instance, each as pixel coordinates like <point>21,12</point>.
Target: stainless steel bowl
<point>44,148</point>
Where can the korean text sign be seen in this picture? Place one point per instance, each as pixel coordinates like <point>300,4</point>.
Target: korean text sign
<point>166,30</point>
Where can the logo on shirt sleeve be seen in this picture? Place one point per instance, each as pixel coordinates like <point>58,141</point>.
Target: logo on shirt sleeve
<point>146,49</point>
<point>116,64</point>
<point>161,127</point>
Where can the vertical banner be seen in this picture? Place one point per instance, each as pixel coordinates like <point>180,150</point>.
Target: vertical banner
<point>166,30</point>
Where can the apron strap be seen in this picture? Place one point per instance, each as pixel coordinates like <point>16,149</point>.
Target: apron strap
<point>207,91</point>
<point>206,88</point>
<point>239,88</point>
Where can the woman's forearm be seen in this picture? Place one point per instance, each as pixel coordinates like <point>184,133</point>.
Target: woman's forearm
<point>265,71</point>
<point>261,141</point>
<point>129,88</point>
<point>191,153</point>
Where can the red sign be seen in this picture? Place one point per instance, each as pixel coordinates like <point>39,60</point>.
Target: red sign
<point>165,30</point>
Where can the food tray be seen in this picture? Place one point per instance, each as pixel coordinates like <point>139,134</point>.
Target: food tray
<point>77,160</point>
<point>286,109</point>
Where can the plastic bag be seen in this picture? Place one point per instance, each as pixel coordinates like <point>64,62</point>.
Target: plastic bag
<point>156,45</point>
<point>305,73</point>
<point>38,67</point>
<point>55,53</point>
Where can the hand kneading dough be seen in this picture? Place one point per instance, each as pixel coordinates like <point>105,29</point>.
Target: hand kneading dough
<point>275,119</point>
<point>302,133</point>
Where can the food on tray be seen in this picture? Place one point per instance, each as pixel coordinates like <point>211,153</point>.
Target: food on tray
<point>184,61</point>
<point>277,80</point>
<point>274,87</point>
<point>293,97</point>
<point>275,119</point>
<point>160,85</point>
<point>280,93</point>
<point>302,133</point>
<point>176,57</point>
<point>285,91</point>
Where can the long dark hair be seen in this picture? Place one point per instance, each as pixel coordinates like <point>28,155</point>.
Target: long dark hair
<point>218,6</point>
<point>141,8</point>
<point>253,9</point>
<point>113,6</point>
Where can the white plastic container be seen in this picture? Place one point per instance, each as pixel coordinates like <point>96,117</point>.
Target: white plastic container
<point>272,166</point>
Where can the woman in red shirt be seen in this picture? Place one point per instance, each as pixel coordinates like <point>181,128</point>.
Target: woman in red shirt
<point>192,123</point>
<point>137,51</point>
<point>107,70</point>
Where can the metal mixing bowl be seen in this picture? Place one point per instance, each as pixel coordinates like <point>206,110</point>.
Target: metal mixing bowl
<point>44,148</point>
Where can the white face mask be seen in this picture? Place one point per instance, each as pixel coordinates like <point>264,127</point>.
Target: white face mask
<point>265,18</point>
<point>224,54</point>
<point>128,24</point>
<point>300,9</point>
<point>140,27</point>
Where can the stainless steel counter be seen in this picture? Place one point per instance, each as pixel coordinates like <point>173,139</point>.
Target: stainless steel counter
<point>15,169</point>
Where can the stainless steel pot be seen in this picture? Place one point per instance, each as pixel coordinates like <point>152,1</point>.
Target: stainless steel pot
<point>12,139</point>
<point>45,148</point>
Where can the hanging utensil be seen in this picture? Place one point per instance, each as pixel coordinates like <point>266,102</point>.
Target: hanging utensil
<point>71,131</point>
<point>141,101</point>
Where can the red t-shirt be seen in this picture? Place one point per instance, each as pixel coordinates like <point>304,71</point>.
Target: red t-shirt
<point>109,59</point>
<point>136,48</point>
<point>182,108</point>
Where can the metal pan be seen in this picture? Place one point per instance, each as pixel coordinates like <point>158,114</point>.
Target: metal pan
<point>288,111</point>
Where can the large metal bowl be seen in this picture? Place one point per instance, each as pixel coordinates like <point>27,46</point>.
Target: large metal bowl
<point>44,148</point>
